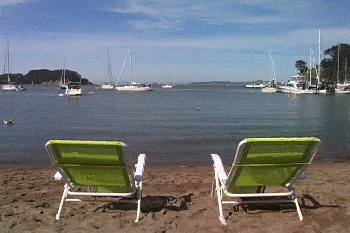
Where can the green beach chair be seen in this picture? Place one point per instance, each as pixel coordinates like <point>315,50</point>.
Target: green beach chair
<point>262,163</point>
<point>97,169</point>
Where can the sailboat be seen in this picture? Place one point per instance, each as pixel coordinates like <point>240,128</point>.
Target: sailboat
<point>272,86</point>
<point>10,86</point>
<point>168,85</point>
<point>133,86</point>
<point>109,84</point>
<point>62,83</point>
<point>321,89</point>
<point>73,89</point>
<point>344,87</point>
<point>311,88</point>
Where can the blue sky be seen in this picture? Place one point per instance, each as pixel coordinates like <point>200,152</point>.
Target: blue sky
<point>181,40</point>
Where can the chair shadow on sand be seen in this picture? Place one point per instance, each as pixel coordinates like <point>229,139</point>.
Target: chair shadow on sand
<point>254,208</point>
<point>151,204</point>
<point>314,202</point>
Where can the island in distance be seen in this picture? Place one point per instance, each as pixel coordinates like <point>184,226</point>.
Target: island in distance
<point>44,76</point>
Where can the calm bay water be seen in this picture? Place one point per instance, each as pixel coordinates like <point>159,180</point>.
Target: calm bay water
<point>166,125</point>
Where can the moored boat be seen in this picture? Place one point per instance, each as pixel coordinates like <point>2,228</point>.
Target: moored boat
<point>296,85</point>
<point>10,86</point>
<point>108,85</point>
<point>73,89</point>
<point>272,86</point>
<point>133,86</point>
<point>167,86</point>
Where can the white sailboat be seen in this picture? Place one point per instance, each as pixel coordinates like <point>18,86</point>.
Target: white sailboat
<point>311,88</point>
<point>272,86</point>
<point>109,84</point>
<point>133,86</point>
<point>9,86</point>
<point>321,89</point>
<point>73,89</point>
<point>260,85</point>
<point>342,87</point>
<point>62,83</point>
<point>168,85</point>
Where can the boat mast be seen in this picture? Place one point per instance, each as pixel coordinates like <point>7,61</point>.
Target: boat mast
<point>310,64</point>
<point>346,70</point>
<point>319,56</point>
<point>338,64</point>
<point>274,73</point>
<point>63,75</point>
<point>8,62</point>
<point>64,69</point>
<point>131,74</point>
<point>121,71</point>
<point>270,70</point>
<point>5,62</point>
<point>109,73</point>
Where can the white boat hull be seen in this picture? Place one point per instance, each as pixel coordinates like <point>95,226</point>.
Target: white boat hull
<point>133,88</point>
<point>269,90</point>
<point>9,87</point>
<point>107,87</point>
<point>167,86</point>
<point>337,91</point>
<point>325,91</point>
<point>73,92</point>
<point>255,85</point>
<point>284,90</point>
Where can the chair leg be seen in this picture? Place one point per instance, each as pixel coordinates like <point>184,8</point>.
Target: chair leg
<point>139,196</point>
<point>298,209</point>
<point>219,194</point>
<point>221,217</point>
<point>63,199</point>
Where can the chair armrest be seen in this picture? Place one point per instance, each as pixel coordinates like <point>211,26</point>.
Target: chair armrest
<point>58,176</point>
<point>140,166</point>
<point>219,168</point>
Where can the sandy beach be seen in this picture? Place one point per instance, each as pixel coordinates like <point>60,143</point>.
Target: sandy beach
<point>175,199</point>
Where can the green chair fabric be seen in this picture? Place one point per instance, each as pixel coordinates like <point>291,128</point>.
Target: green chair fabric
<point>270,161</point>
<point>98,163</point>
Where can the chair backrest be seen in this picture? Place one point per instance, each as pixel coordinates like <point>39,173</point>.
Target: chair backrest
<point>106,165</point>
<point>269,161</point>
